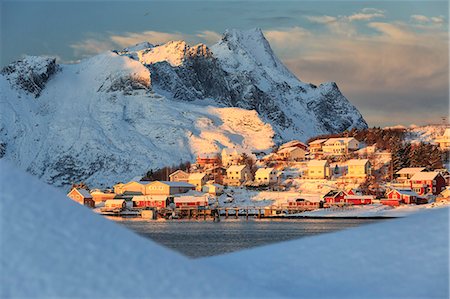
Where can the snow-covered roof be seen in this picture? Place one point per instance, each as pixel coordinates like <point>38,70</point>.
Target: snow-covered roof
<point>408,192</point>
<point>177,172</point>
<point>115,201</point>
<point>176,184</point>
<point>84,193</point>
<point>237,168</point>
<point>317,163</point>
<point>179,199</point>
<point>410,170</point>
<point>293,143</point>
<point>149,197</point>
<point>197,176</point>
<point>289,149</point>
<point>359,196</point>
<point>357,162</point>
<point>318,141</point>
<point>425,176</point>
<point>264,171</point>
<point>341,140</point>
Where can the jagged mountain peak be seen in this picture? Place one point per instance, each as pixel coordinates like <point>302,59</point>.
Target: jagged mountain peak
<point>120,113</point>
<point>30,73</point>
<point>173,52</point>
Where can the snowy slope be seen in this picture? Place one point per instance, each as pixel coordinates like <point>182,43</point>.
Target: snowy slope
<point>119,114</point>
<point>53,247</point>
<point>73,133</point>
<point>61,249</point>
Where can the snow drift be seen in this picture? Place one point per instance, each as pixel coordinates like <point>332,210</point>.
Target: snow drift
<point>53,247</point>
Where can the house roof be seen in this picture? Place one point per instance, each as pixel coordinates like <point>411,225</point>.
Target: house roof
<point>317,163</point>
<point>293,143</point>
<point>341,140</point>
<point>190,198</point>
<point>410,170</point>
<point>175,184</point>
<point>84,193</point>
<point>236,168</point>
<point>425,176</point>
<point>119,201</point>
<point>359,196</point>
<point>408,192</point>
<point>149,197</point>
<point>197,176</point>
<point>357,162</point>
<point>318,141</point>
<point>289,149</point>
<point>177,172</point>
<point>264,171</point>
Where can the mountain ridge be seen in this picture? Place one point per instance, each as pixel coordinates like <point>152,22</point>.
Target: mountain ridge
<point>120,113</point>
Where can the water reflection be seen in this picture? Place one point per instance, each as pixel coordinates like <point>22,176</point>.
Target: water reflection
<point>206,238</point>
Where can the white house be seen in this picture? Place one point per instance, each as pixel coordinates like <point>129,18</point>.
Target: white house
<point>291,153</point>
<point>339,146</point>
<point>358,168</point>
<point>318,169</point>
<point>213,189</point>
<point>237,174</point>
<point>444,140</point>
<point>231,156</point>
<point>266,176</point>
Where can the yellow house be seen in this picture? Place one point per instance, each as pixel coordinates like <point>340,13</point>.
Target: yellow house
<point>213,189</point>
<point>315,147</point>
<point>231,156</point>
<point>444,140</point>
<point>292,154</point>
<point>198,179</point>
<point>358,168</point>
<point>318,169</point>
<point>266,176</point>
<point>179,176</point>
<point>167,188</point>
<point>340,146</point>
<point>132,186</point>
<point>237,174</point>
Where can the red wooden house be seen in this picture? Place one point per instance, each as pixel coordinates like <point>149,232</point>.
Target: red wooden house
<point>401,196</point>
<point>358,199</point>
<point>115,204</point>
<point>82,196</point>
<point>302,203</point>
<point>154,201</point>
<point>334,196</point>
<point>427,182</point>
<point>190,201</point>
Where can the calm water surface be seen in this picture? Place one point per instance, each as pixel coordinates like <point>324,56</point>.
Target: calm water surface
<point>206,238</point>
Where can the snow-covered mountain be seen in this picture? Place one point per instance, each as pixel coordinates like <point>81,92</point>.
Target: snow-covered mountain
<point>120,113</point>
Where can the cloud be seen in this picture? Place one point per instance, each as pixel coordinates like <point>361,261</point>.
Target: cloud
<point>321,19</point>
<point>372,10</point>
<point>209,37</point>
<point>398,74</point>
<point>94,44</point>
<point>364,16</point>
<point>420,18</point>
<point>154,37</point>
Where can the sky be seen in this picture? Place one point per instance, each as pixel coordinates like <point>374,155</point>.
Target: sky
<point>389,58</point>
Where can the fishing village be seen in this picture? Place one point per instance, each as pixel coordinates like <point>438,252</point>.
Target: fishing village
<point>326,176</point>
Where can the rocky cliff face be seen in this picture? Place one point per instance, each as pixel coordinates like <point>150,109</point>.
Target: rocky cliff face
<point>118,114</point>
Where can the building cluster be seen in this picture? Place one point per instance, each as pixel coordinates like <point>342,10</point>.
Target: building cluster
<point>342,159</point>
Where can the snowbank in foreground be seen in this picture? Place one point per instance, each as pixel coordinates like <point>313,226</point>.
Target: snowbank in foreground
<point>401,258</point>
<point>53,247</point>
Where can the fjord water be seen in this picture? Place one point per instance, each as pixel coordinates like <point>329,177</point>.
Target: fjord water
<point>207,238</point>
